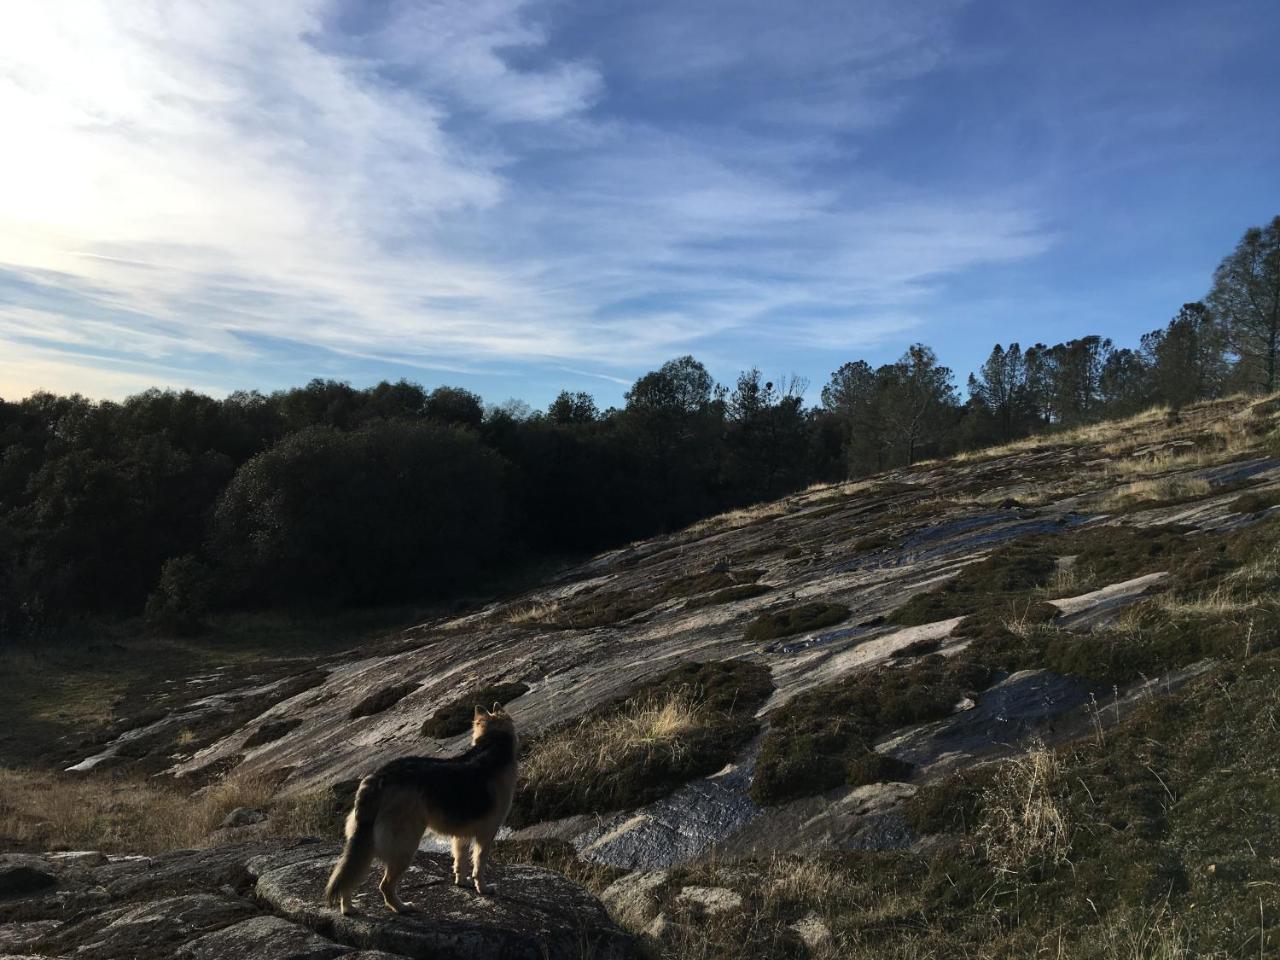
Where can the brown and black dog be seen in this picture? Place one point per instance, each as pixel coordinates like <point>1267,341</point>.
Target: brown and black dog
<point>465,797</point>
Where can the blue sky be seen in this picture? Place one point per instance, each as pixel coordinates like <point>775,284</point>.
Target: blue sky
<point>519,197</point>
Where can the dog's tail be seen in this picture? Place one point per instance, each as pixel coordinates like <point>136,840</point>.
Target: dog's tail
<point>357,855</point>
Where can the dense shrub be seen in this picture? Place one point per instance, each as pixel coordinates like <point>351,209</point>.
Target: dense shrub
<point>180,601</point>
<point>388,511</point>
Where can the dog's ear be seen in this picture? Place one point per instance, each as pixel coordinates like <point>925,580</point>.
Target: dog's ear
<point>496,708</point>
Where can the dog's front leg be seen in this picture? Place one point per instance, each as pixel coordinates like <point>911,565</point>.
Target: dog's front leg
<point>479,860</point>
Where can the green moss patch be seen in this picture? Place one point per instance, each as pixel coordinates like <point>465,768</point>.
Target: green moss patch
<point>823,738</point>
<point>728,595</point>
<point>1026,570</point>
<point>1016,569</point>
<point>1174,812</point>
<point>455,717</point>
<point>793,620</point>
<point>1256,502</point>
<point>688,723</point>
<point>605,608</point>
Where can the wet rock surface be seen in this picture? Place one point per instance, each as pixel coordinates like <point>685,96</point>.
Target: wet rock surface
<point>1022,706</point>
<point>263,902</point>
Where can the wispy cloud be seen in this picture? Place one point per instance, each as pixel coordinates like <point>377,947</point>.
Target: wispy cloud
<point>457,183</point>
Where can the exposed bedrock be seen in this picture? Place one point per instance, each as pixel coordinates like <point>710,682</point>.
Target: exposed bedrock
<point>262,902</point>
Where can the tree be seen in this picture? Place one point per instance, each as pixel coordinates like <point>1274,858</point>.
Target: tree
<point>894,412</point>
<point>1125,383</point>
<point>919,400</point>
<point>674,417</point>
<point>853,397</point>
<point>1188,357</point>
<point>573,408</point>
<point>1246,297</point>
<point>766,436</point>
<point>455,407</point>
<point>1067,378</point>
<point>391,511</point>
<point>180,601</point>
<point>1000,386</point>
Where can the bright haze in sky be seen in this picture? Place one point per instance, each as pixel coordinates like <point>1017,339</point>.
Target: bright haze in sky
<point>519,197</point>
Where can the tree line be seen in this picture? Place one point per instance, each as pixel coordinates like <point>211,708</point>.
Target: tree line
<point>177,503</point>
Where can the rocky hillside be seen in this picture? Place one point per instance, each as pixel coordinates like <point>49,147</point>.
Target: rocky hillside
<point>838,671</point>
<point>861,551</point>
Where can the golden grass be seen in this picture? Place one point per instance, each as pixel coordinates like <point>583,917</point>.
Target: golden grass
<point>1078,436</point>
<point>52,811</point>
<point>1155,491</point>
<point>1151,935</point>
<point>1023,821</point>
<point>597,747</point>
<point>1263,570</point>
<point>1219,602</point>
<point>532,614</point>
<point>733,519</point>
<point>1067,577</point>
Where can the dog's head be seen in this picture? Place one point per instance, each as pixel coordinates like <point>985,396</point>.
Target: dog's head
<point>495,720</point>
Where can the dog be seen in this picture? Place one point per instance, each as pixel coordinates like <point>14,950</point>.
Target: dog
<point>466,797</point>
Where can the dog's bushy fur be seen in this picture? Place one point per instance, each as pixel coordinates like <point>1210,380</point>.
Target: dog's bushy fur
<point>465,797</point>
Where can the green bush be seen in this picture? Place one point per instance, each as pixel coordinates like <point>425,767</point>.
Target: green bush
<point>180,600</point>
<point>390,511</point>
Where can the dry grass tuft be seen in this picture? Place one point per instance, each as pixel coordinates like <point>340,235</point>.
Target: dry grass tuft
<point>1023,821</point>
<point>1155,491</point>
<point>51,811</point>
<point>1219,602</point>
<point>1149,935</point>
<point>646,729</point>
<point>536,613</point>
<point>734,519</point>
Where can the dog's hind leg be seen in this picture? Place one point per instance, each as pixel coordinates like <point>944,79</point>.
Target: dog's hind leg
<point>480,859</point>
<point>461,860</point>
<point>395,868</point>
<point>397,841</point>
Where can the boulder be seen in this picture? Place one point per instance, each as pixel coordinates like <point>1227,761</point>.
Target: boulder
<point>152,929</point>
<point>710,900</point>
<point>815,934</point>
<point>631,899</point>
<point>530,913</point>
<point>263,938</point>
<point>22,875</point>
<point>243,817</point>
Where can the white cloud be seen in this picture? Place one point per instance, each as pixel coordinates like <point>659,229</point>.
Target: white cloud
<point>196,177</point>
